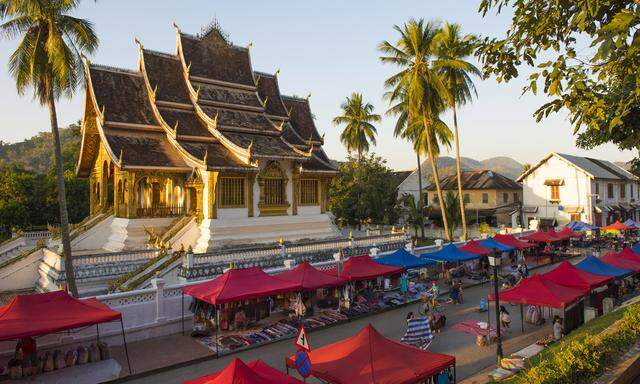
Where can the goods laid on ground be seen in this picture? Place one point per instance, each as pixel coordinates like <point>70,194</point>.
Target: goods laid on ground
<point>48,361</point>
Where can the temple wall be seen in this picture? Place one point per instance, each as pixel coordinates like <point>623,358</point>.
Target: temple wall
<point>232,213</point>
<point>305,210</point>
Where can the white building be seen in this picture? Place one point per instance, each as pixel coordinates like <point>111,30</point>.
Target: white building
<point>561,187</point>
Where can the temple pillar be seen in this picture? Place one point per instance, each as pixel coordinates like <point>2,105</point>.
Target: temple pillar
<point>210,180</point>
<point>251,180</point>
<point>323,186</point>
<point>130,195</point>
<point>199,211</point>
<point>295,186</point>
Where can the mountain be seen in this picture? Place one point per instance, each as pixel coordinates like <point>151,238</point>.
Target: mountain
<point>36,153</point>
<point>447,166</point>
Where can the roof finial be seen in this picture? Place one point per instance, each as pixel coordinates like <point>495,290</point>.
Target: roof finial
<point>138,43</point>
<point>281,125</point>
<point>120,159</point>
<point>258,80</point>
<point>176,26</point>
<point>249,147</point>
<point>206,154</point>
<point>189,68</point>
<point>308,96</point>
<point>215,120</point>
<point>323,133</point>
<point>289,111</point>
<point>277,72</point>
<point>175,126</point>
<point>250,45</point>
<point>198,93</point>
<point>102,112</point>
<point>266,100</point>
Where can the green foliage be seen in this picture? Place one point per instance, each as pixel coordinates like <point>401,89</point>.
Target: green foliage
<point>377,198</point>
<point>452,210</point>
<point>28,188</point>
<point>410,212</point>
<point>579,359</point>
<point>583,55</point>
<point>358,118</point>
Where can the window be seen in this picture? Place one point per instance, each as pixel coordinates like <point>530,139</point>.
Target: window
<point>516,197</point>
<point>555,192</point>
<point>610,191</point>
<point>575,217</point>
<point>623,191</point>
<point>485,198</point>
<point>232,192</point>
<point>466,198</point>
<point>505,198</point>
<point>274,191</point>
<point>597,188</point>
<point>308,192</point>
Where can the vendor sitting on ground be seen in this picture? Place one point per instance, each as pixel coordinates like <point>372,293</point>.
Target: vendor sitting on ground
<point>240,320</point>
<point>557,328</point>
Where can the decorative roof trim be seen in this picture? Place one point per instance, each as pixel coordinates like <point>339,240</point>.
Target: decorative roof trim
<point>197,138</point>
<point>220,104</point>
<point>153,167</point>
<point>227,84</point>
<point>133,127</point>
<point>174,105</point>
<point>242,154</point>
<point>231,128</point>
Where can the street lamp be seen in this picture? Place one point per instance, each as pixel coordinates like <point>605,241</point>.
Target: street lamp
<point>495,262</point>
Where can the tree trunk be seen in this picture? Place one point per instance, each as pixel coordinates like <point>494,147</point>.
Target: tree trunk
<point>420,197</point>
<point>359,183</point>
<point>459,172</point>
<point>62,199</point>
<point>436,178</point>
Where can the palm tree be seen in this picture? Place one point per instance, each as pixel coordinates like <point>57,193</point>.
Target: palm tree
<point>452,51</point>
<point>421,87</point>
<point>359,132</point>
<point>411,212</point>
<point>48,61</point>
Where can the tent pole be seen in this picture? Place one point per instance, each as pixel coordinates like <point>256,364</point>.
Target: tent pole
<point>522,317</point>
<point>182,308</point>
<point>217,327</point>
<point>126,350</point>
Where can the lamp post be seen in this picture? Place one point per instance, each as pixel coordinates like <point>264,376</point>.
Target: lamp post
<point>495,262</point>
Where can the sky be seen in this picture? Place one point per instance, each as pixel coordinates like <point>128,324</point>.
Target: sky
<point>327,49</point>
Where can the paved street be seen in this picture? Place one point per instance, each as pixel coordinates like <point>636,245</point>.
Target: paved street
<point>470,358</point>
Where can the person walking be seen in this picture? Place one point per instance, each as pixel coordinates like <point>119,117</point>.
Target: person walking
<point>505,318</point>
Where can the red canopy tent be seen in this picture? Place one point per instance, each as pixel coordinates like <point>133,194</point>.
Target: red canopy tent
<point>358,268</point>
<point>540,237</point>
<point>537,290</point>
<point>612,258</point>
<point>369,357</point>
<point>566,274</point>
<point>618,226</point>
<point>310,278</point>
<point>44,313</point>
<point>567,233</point>
<point>555,235</point>
<point>627,253</point>
<point>475,248</point>
<point>237,372</point>
<point>239,284</point>
<point>512,241</point>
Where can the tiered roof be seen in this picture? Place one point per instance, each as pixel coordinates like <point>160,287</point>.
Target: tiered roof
<point>201,107</point>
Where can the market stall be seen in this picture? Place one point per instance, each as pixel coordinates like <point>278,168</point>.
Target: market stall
<point>239,300</point>
<point>540,237</point>
<point>404,259</point>
<point>32,315</point>
<point>496,246</point>
<point>632,223</point>
<point>475,248</point>
<point>513,241</point>
<point>617,226</point>
<point>596,266</point>
<point>628,253</point>
<point>455,262</point>
<point>613,259</point>
<point>541,292</point>
<point>237,372</point>
<point>580,226</point>
<point>566,274</point>
<point>318,288</point>
<point>369,357</point>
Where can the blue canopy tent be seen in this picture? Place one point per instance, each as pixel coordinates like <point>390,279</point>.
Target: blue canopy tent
<point>636,248</point>
<point>405,259</point>
<point>491,243</point>
<point>596,266</point>
<point>449,254</point>
<point>632,223</point>
<point>580,226</point>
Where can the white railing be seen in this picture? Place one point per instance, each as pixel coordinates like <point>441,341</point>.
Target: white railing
<point>36,235</point>
<point>115,257</point>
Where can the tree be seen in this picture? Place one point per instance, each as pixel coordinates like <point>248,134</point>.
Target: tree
<point>359,132</point>
<point>48,61</point>
<point>411,212</point>
<point>419,89</point>
<point>452,51</point>
<point>453,212</point>
<point>585,54</point>
<point>378,200</point>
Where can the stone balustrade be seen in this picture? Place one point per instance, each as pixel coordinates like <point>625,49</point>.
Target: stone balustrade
<point>115,257</point>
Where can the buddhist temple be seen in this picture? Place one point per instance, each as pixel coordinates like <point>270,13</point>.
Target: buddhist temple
<point>199,132</point>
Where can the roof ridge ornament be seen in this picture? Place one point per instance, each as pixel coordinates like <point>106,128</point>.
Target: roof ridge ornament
<point>265,101</point>
<point>175,127</point>
<point>189,68</point>
<point>175,25</point>
<point>120,161</point>
<point>250,45</point>
<point>276,72</point>
<point>155,91</point>
<point>249,148</point>
<point>281,127</point>
<point>206,155</point>
<point>215,120</point>
<point>308,96</point>
<point>289,111</point>
<point>198,93</point>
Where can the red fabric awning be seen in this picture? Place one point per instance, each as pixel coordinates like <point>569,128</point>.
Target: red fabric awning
<point>369,357</point>
<point>567,233</point>
<point>566,274</point>
<point>475,248</point>
<point>618,226</point>
<point>43,313</point>
<point>627,253</point>
<point>612,258</point>
<point>358,268</point>
<point>310,278</point>
<point>554,235</point>
<point>540,237</point>
<point>512,241</point>
<point>237,372</point>
<point>239,284</point>
<point>539,291</point>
